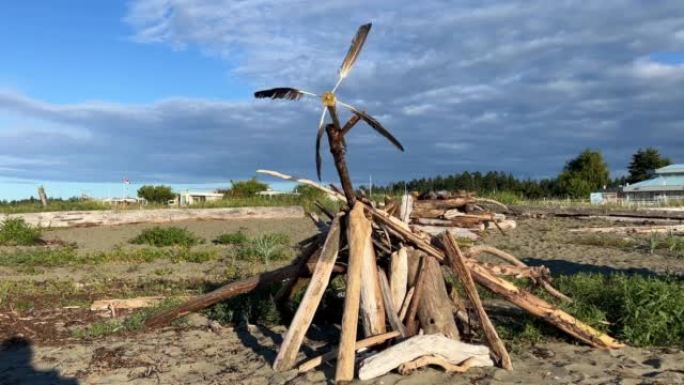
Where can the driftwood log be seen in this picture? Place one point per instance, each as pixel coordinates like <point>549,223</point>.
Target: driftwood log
<point>453,351</point>
<point>358,230</point>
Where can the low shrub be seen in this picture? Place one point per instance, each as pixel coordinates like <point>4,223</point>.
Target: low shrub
<point>266,248</point>
<point>166,236</point>
<point>236,238</point>
<point>16,232</point>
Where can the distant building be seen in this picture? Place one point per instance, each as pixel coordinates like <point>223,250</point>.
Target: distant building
<point>668,184</point>
<point>272,193</point>
<point>194,197</point>
<point>122,201</point>
<point>604,197</point>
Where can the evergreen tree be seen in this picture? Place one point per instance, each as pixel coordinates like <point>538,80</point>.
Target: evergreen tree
<point>644,162</point>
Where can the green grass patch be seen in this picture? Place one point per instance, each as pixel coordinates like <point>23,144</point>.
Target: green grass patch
<point>16,232</point>
<point>641,311</point>
<point>67,256</point>
<point>166,236</point>
<point>236,238</point>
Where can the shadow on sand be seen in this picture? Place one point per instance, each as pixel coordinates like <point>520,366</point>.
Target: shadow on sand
<point>16,366</point>
<point>563,267</point>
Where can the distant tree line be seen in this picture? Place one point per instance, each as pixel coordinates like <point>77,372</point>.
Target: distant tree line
<point>581,175</point>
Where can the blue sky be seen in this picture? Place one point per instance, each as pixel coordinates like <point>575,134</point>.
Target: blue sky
<point>161,90</point>
<point>70,51</point>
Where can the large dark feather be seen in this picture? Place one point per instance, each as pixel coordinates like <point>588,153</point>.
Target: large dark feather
<point>379,128</point>
<point>355,49</point>
<point>280,93</point>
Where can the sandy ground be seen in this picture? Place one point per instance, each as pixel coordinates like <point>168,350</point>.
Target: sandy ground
<point>547,242</point>
<point>199,354</point>
<point>91,239</point>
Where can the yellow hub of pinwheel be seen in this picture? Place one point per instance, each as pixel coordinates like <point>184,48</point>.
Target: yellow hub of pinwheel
<point>328,99</point>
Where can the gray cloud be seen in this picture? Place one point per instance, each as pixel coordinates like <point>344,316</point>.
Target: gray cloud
<point>519,86</point>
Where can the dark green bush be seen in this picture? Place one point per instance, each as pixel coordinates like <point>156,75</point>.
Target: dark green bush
<point>16,232</point>
<point>245,188</point>
<point>156,194</point>
<point>166,236</point>
<point>236,238</point>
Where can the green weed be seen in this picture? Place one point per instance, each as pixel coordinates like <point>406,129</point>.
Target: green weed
<point>16,232</point>
<point>166,236</point>
<point>236,238</point>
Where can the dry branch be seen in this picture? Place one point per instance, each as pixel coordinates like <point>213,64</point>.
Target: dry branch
<point>459,268</point>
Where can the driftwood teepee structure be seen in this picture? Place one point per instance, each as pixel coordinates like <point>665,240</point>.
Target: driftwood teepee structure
<point>395,282</point>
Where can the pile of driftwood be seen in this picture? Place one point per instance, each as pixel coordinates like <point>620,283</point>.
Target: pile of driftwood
<point>461,213</point>
<point>410,317</point>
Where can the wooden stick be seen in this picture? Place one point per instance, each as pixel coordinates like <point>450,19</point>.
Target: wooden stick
<point>405,305</point>
<point>357,244</point>
<point>459,268</point>
<point>332,194</point>
<point>287,354</point>
<point>475,251</point>
<point>411,324</point>
<point>362,344</point>
<point>398,276</point>
<point>392,317</point>
<point>336,142</point>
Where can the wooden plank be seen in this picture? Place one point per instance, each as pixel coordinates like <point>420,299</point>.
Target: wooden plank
<point>406,208</point>
<point>356,235</point>
<point>398,276</point>
<point>372,307</point>
<point>392,316</point>
<point>287,354</point>
<point>459,268</point>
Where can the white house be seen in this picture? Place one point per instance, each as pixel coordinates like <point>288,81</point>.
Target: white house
<point>668,184</point>
<point>194,197</point>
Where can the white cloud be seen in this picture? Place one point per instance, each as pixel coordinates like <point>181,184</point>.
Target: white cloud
<point>533,82</point>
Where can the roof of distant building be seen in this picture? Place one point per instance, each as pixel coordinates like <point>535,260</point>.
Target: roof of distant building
<point>660,183</point>
<point>671,169</point>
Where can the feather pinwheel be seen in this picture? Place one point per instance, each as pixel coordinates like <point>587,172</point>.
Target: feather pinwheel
<point>330,101</point>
